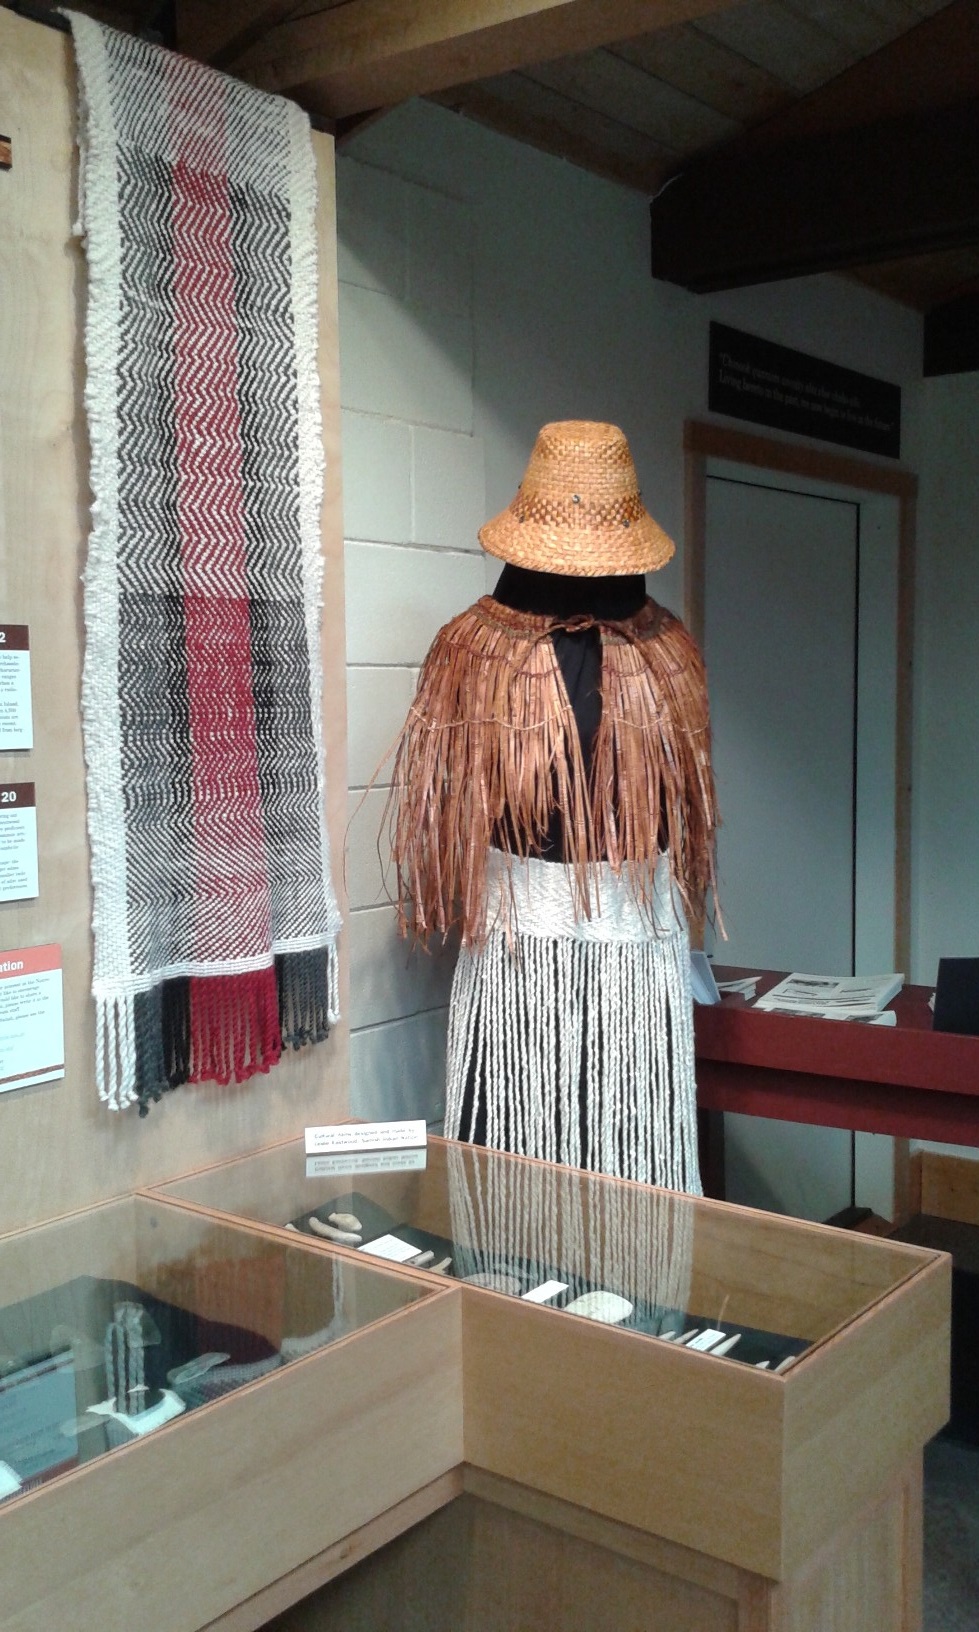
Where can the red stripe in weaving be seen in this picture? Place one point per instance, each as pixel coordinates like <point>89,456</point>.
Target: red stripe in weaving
<point>234,1026</point>
<point>234,1020</point>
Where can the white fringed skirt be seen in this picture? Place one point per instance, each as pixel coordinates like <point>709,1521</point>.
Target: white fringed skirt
<point>572,1040</point>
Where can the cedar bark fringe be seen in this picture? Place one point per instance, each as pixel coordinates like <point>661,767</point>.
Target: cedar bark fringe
<point>490,751</point>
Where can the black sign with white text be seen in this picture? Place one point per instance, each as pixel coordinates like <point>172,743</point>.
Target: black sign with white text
<point>773,385</point>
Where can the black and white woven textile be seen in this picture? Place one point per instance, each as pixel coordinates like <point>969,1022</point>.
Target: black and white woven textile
<point>215,918</point>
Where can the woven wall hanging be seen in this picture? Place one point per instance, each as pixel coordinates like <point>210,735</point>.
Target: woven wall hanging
<point>215,919</point>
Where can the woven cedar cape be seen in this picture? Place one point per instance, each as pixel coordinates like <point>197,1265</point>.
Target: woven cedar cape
<point>490,750</point>
<point>215,918</point>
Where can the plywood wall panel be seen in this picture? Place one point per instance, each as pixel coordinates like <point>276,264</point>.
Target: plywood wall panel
<point>59,1148</point>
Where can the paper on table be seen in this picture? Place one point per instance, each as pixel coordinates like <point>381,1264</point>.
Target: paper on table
<point>748,986</point>
<point>866,1017</point>
<point>858,995</point>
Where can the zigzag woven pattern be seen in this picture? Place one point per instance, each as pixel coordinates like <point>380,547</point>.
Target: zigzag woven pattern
<point>215,917</point>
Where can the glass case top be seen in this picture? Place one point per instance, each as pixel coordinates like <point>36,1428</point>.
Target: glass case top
<point>747,1286</point>
<point>116,1321</point>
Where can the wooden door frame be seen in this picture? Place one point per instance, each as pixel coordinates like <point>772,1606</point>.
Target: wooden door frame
<point>702,441</point>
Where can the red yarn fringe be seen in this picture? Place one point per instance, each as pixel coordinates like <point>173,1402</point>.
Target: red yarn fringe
<point>234,1026</point>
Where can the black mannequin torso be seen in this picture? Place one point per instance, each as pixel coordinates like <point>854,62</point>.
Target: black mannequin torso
<point>578,651</point>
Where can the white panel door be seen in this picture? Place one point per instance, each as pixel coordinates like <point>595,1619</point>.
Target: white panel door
<point>781,572</point>
<point>779,632</point>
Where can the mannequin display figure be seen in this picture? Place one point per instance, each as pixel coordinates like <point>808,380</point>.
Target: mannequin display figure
<point>553,801</point>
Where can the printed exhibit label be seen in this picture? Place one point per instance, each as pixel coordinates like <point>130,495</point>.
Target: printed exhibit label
<point>346,1136</point>
<point>16,722</point>
<point>32,1026</point>
<point>18,841</point>
<point>351,1163</point>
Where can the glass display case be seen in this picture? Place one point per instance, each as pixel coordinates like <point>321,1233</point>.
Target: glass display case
<point>749,1287</point>
<point>224,1368</point>
<point>733,1381</point>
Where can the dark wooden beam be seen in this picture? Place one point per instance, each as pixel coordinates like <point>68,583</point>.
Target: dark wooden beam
<point>532,113</point>
<point>218,34</point>
<point>371,53</point>
<point>898,187</point>
<point>952,337</point>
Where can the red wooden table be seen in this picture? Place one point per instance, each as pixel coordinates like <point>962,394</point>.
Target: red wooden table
<point>906,1080</point>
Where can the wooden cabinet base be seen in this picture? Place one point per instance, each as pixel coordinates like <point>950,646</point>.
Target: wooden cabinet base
<point>503,1558</point>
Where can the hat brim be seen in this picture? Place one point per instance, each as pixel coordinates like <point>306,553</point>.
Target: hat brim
<point>585,552</point>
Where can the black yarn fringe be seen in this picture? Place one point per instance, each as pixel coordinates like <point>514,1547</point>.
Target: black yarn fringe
<point>161,1020</point>
<point>304,997</point>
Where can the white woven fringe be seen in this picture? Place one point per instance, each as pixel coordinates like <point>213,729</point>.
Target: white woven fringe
<point>550,1012</point>
<point>624,1238</point>
<point>305,293</point>
<point>99,221</point>
<point>333,981</point>
<point>115,1051</point>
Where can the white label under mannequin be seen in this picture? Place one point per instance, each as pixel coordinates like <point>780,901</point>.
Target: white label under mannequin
<point>706,1339</point>
<point>391,1247</point>
<point>544,1292</point>
<point>365,1136</point>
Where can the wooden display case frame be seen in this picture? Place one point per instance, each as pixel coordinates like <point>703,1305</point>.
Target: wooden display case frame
<point>288,1476</point>
<point>767,1492</point>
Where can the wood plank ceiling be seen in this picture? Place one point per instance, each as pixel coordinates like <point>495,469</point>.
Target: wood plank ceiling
<point>823,107</point>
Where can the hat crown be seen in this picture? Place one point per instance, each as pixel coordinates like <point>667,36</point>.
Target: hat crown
<point>579,475</point>
<point>578,509</point>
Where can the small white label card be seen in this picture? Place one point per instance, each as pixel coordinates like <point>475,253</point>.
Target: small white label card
<point>347,1136</point>
<point>32,1027</point>
<point>545,1292</point>
<point>706,1339</point>
<point>391,1247</point>
<point>367,1161</point>
<point>16,723</point>
<point>18,841</point>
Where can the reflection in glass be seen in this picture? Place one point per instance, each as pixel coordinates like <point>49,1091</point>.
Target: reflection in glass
<point>121,1320</point>
<point>695,1272</point>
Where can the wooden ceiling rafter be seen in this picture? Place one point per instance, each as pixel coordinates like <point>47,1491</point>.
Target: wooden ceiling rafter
<point>369,53</point>
<point>514,105</point>
<point>218,34</point>
<point>931,65</point>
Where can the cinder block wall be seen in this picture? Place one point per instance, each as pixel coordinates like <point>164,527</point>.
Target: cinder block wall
<point>415,495</point>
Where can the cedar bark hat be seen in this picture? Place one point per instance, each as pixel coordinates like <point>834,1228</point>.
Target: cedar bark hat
<point>578,510</point>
